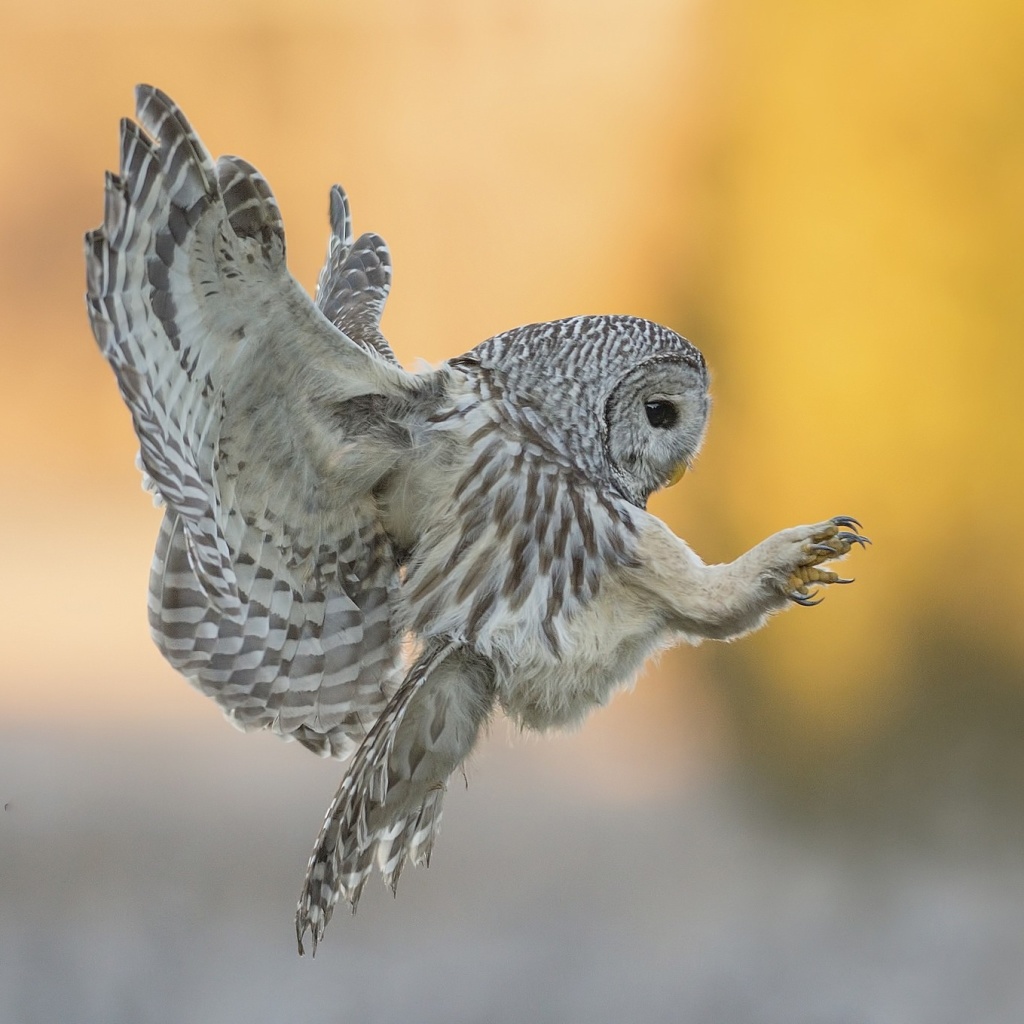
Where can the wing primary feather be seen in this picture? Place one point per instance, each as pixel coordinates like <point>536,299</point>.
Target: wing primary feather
<point>355,281</point>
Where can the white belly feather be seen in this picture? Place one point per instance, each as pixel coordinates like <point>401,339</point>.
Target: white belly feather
<point>608,641</point>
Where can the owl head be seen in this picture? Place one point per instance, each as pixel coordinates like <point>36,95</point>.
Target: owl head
<point>655,418</point>
<point>625,399</point>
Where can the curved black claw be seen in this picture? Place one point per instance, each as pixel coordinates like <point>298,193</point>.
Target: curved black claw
<point>845,521</point>
<point>853,538</point>
<point>823,548</point>
<point>806,599</point>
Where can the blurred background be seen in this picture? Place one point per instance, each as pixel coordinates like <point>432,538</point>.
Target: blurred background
<point>823,822</point>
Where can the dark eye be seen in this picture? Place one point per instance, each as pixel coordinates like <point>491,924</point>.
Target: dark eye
<point>662,415</point>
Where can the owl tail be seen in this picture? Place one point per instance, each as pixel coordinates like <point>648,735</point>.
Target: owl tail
<point>387,810</point>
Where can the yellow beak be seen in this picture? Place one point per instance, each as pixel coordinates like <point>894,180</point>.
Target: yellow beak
<point>677,474</point>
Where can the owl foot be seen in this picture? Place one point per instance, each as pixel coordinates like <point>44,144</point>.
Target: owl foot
<point>827,541</point>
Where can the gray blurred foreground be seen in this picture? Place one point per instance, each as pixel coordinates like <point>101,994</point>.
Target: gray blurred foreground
<point>153,878</point>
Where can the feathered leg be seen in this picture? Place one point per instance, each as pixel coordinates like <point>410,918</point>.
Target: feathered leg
<point>722,602</point>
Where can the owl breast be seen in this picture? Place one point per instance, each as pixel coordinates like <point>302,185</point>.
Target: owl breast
<point>520,554</point>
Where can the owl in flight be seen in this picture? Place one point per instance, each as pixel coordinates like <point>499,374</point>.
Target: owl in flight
<point>371,561</point>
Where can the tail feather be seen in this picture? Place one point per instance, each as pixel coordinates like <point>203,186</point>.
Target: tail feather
<point>387,810</point>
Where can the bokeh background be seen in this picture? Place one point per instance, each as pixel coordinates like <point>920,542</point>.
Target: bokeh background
<point>823,822</point>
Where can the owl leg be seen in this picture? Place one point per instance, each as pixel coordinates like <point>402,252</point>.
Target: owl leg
<point>722,602</point>
<point>388,806</point>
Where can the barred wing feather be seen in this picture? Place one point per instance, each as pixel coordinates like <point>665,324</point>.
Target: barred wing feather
<point>273,582</point>
<point>355,280</point>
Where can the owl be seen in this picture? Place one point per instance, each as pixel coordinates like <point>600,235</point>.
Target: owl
<point>372,562</point>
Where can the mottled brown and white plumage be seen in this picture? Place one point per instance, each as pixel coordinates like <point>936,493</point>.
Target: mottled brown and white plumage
<point>326,510</point>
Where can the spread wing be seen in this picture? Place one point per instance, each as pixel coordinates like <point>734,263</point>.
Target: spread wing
<point>262,428</point>
<point>355,280</point>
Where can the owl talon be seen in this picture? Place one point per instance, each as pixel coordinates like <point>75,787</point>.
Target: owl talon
<point>822,543</point>
<point>853,538</point>
<point>845,521</point>
<point>823,548</point>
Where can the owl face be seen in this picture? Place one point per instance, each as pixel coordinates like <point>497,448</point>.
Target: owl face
<point>655,419</point>
<point>625,398</point>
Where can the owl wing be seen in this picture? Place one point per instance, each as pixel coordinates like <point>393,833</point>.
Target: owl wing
<point>355,280</point>
<point>262,429</point>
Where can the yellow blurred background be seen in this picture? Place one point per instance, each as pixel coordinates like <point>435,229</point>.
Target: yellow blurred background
<point>827,198</point>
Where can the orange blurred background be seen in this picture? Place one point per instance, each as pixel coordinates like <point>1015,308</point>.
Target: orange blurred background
<point>827,198</point>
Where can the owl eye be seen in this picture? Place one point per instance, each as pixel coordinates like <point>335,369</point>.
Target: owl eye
<point>662,415</point>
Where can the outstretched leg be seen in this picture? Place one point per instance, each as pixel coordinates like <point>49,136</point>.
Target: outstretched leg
<point>388,806</point>
<point>721,602</point>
